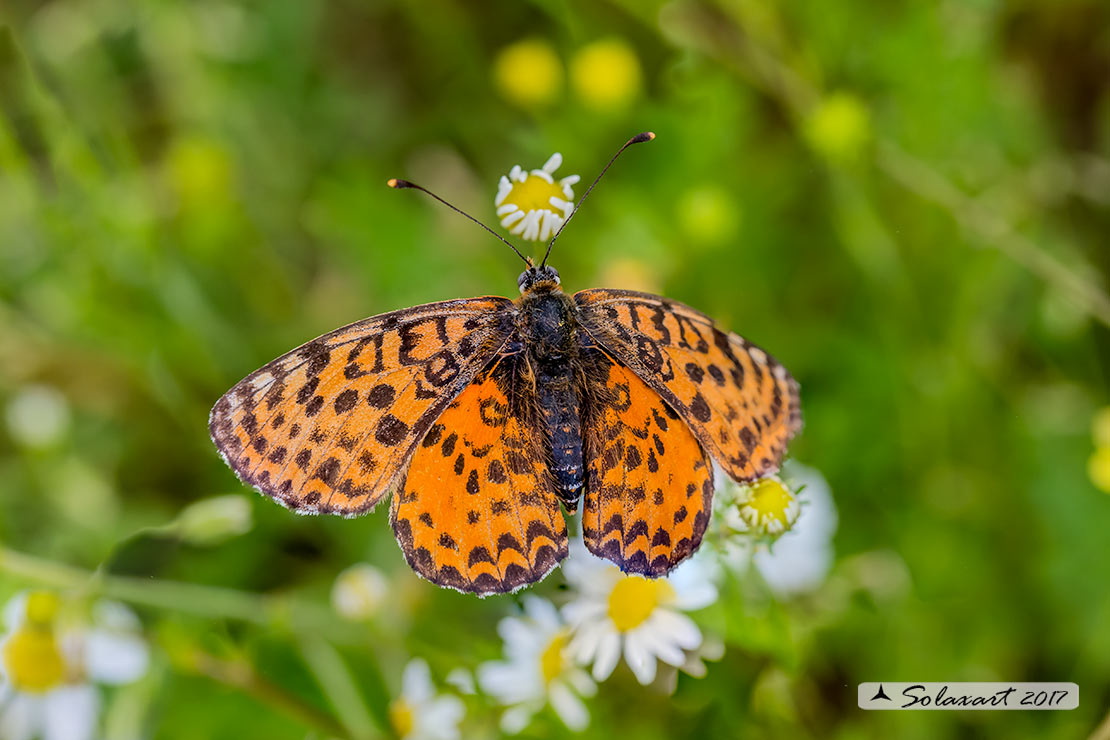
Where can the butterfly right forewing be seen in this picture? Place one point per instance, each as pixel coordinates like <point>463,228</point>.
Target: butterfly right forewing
<point>741,404</point>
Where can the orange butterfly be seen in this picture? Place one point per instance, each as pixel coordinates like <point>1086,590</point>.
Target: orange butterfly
<point>486,414</point>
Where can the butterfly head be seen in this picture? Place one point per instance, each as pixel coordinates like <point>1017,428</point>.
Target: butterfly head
<point>544,276</point>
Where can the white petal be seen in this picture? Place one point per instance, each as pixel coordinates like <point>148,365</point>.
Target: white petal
<point>532,225</point>
<point>544,175</point>
<point>660,643</point>
<point>442,716</point>
<point>542,611</point>
<point>678,628</point>
<point>516,719</point>
<point>462,680</point>
<point>607,655</point>
<point>115,615</point>
<point>587,640</point>
<point>696,596</point>
<point>581,682</point>
<point>583,610</point>
<point>516,633</point>
<point>21,717</point>
<point>115,658</point>
<point>504,187</point>
<point>638,658</point>
<point>569,708</point>
<point>516,173</point>
<point>569,181</point>
<point>70,713</point>
<point>512,218</point>
<point>15,611</point>
<point>510,683</point>
<point>416,682</point>
<point>507,209</point>
<point>553,163</point>
<point>545,225</point>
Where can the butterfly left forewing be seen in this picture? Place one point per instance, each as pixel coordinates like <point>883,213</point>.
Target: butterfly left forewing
<point>328,426</point>
<point>740,403</point>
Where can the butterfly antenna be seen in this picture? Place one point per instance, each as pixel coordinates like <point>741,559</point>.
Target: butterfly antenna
<point>637,139</point>
<point>402,184</point>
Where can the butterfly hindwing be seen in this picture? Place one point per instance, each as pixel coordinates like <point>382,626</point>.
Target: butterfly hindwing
<point>650,484</point>
<point>328,426</point>
<point>741,404</point>
<point>477,510</point>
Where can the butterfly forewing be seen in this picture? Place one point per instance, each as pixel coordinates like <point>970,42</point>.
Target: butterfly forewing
<point>740,403</point>
<point>650,484</point>
<point>328,426</point>
<point>477,510</point>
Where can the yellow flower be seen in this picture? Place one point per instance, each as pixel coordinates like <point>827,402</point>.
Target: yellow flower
<point>533,205</point>
<point>528,73</point>
<point>1100,427</point>
<point>1098,468</point>
<point>707,214</point>
<point>767,506</point>
<point>199,169</point>
<point>634,599</point>
<point>839,128</point>
<point>32,658</point>
<point>606,74</point>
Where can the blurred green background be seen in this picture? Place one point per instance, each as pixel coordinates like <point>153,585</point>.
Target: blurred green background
<point>907,203</point>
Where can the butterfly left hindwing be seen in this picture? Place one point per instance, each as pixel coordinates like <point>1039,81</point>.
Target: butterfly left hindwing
<point>477,510</point>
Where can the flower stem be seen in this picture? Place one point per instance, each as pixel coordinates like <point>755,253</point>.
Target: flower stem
<point>338,685</point>
<point>189,598</point>
<point>242,676</point>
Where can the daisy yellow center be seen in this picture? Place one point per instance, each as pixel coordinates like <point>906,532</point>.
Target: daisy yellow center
<point>534,194</point>
<point>401,717</point>
<point>633,600</point>
<point>771,501</point>
<point>31,656</point>
<point>553,659</point>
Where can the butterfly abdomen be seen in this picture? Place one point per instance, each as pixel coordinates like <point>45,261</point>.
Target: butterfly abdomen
<point>548,327</point>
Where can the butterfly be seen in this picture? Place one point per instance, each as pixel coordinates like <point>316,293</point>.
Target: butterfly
<point>488,417</point>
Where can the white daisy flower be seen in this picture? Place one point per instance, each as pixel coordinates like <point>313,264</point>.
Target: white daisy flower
<point>539,670</point>
<point>641,618</point>
<point>798,560</point>
<point>359,592</point>
<point>533,205</point>
<point>47,669</point>
<point>419,713</point>
<point>766,507</point>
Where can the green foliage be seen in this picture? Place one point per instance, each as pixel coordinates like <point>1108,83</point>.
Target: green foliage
<point>906,203</point>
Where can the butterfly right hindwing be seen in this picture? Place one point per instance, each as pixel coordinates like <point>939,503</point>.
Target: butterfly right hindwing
<point>649,488</point>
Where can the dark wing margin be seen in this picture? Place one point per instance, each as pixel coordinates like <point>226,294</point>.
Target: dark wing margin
<point>740,402</point>
<point>328,427</point>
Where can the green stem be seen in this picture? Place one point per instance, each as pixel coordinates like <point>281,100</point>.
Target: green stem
<point>339,686</point>
<point>242,676</point>
<point>189,598</point>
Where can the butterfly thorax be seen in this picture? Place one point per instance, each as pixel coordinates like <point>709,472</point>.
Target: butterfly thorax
<point>548,330</point>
